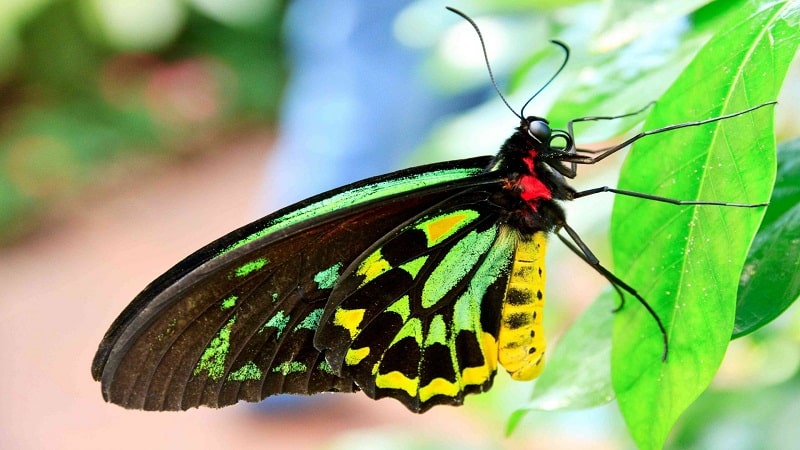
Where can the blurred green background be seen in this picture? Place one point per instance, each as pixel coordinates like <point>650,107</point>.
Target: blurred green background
<point>103,97</point>
<point>88,84</point>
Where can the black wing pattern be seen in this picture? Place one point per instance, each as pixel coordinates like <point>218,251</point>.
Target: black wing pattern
<point>417,316</point>
<point>236,320</point>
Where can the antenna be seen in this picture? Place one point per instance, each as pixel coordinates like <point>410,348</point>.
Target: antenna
<point>486,58</point>
<point>563,64</point>
<point>489,67</point>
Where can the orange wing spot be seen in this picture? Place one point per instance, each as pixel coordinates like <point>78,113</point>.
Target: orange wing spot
<point>437,229</point>
<point>441,227</point>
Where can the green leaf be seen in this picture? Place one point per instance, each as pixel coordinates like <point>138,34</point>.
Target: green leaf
<point>627,19</point>
<point>624,79</point>
<point>686,261</point>
<point>770,282</point>
<point>578,373</point>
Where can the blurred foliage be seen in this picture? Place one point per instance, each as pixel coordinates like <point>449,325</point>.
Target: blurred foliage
<point>770,283</point>
<point>87,82</point>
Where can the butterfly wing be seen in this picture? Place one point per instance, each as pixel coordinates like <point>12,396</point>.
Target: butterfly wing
<point>416,317</point>
<point>236,319</point>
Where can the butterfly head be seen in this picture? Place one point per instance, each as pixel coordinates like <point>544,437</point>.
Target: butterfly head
<point>538,129</point>
<point>542,138</point>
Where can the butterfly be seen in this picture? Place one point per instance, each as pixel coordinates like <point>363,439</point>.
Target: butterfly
<point>413,285</point>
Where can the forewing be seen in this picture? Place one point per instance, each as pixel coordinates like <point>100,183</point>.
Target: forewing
<point>236,320</point>
<point>416,316</point>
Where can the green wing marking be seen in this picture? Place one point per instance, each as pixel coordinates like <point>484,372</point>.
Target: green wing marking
<point>416,318</point>
<point>356,195</point>
<point>326,279</point>
<point>213,359</point>
<point>237,319</point>
<point>249,371</point>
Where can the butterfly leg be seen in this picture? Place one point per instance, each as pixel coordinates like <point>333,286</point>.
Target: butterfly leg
<point>657,198</point>
<point>582,250</point>
<point>603,153</point>
<point>594,262</point>
<point>569,137</point>
<point>597,118</point>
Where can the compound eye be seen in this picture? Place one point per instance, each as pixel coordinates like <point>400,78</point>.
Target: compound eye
<point>540,131</point>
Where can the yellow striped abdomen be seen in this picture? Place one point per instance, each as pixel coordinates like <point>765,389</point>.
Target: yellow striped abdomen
<point>521,340</point>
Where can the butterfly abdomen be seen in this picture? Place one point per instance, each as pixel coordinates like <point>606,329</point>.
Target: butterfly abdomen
<point>521,339</point>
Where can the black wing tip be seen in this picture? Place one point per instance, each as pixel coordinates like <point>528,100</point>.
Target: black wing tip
<point>414,403</point>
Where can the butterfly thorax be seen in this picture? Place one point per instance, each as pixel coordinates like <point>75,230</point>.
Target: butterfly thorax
<point>531,186</point>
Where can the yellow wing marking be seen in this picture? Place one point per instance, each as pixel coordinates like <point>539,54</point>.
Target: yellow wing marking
<point>479,375</point>
<point>438,386</point>
<point>355,355</point>
<point>349,319</point>
<point>372,266</point>
<point>396,380</point>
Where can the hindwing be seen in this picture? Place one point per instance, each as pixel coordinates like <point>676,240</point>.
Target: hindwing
<point>416,316</point>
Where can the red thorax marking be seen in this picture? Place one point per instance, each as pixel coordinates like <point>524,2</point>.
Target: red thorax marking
<point>532,187</point>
